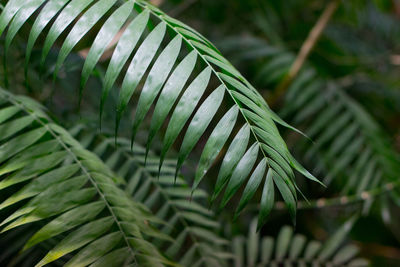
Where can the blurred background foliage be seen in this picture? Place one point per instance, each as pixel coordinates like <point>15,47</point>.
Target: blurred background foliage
<point>345,96</point>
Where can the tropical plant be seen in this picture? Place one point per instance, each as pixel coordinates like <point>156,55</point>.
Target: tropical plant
<point>349,147</point>
<point>257,127</point>
<point>187,221</point>
<point>153,108</point>
<point>353,145</point>
<point>68,193</point>
<point>290,249</point>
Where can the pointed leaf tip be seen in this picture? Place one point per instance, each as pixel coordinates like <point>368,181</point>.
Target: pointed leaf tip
<point>297,166</point>
<point>252,186</point>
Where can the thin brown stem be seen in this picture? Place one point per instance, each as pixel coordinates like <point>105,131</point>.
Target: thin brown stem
<point>305,50</point>
<point>343,200</point>
<point>379,250</point>
<point>339,201</point>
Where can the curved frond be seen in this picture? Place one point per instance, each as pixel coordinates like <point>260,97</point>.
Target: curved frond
<point>49,181</point>
<point>350,147</point>
<point>162,74</point>
<point>290,249</point>
<point>192,226</point>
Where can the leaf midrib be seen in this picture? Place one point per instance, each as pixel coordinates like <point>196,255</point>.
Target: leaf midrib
<point>166,197</point>
<point>11,99</point>
<point>188,41</point>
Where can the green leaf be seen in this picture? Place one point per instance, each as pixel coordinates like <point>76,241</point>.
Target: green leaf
<point>279,120</point>
<point>297,246</point>
<point>40,184</point>
<point>208,50</point>
<point>267,246</point>
<point>170,93</point>
<point>199,123</point>
<point>28,168</point>
<point>68,186</point>
<point>84,24</point>
<point>155,80</point>
<point>312,249</point>
<point>283,176</point>
<point>160,195</point>
<point>242,170</point>
<point>252,185</point>
<point>223,65</point>
<point>95,250</point>
<point>67,15</point>
<point>333,243</point>
<point>303,171</point>
<point>184,109</point>
<point>281,161</point>
<point>65,222</point>
<point>287,195</point>
<point>48,12</point>
<point>124,48</point>
<point>289,250</point>
<point>200,219</point>
<point>208,235</point>
<point>7,113</point>
<point>11,8</point>
<point>113,259</point>
<point>9,149</point>
<point>12,127</point>
<point>77,239</point>
<point>214,144</point>
<point>97,22</point>
<point>138,67</point>
<point>240,88</point>
<point>345,254</point>
<point>103,38</point>
<point>19,19</point>
<point>267,199</point>
<point>232,157</point>
<point>283,241</point>
<point>44,208</point>
<point>252,244</point>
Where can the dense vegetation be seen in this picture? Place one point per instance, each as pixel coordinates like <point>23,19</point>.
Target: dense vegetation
<point>127,138</point>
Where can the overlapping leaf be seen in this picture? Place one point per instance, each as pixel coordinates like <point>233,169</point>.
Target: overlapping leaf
<point>157,71</point>
<point>192,226</point>
<point>289,249</point>
<point>350,146</point>
<point>67,195</point>
<point>350,149</point>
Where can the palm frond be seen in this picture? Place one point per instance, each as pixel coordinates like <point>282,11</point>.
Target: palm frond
<point>349,149</point>
<point>289,249</point>
<point>257,144</point>
<point>350,146</point>
<point>192,226</point>
<point>49,181</point>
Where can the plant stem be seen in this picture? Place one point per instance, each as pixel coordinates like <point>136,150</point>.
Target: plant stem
<point>305,50</point>
<point>344,200</point>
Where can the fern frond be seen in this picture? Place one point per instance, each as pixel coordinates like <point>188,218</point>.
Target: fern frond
<point>350,149</point>
<point>49,181</point>
<point>192,226</point>
<point>257,145</point>
<point>289,249</point>
<point>350,146</point>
